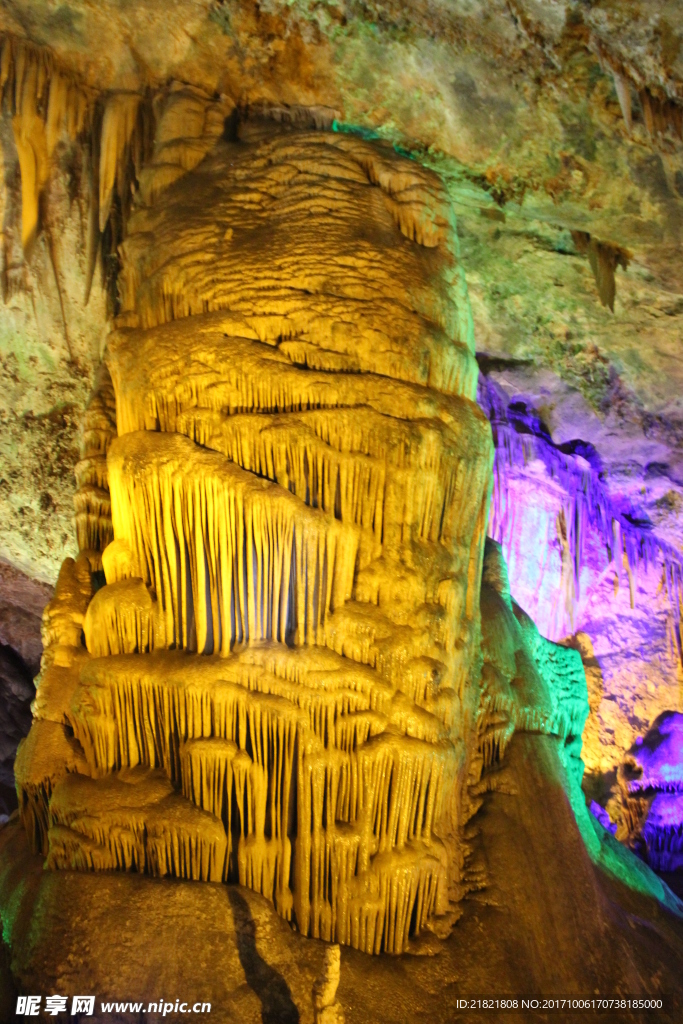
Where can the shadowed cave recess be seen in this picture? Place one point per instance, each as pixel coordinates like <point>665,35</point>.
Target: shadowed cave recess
<point>340,593</point>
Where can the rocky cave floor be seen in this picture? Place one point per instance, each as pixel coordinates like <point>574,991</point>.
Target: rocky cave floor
<point>575,932</point>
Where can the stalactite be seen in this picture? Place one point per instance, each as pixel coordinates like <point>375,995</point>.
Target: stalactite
<point>118,125</point>
<point>48,103</point>
<point>251,743</point>
<point>67,110</point>
<point>239,546</point>
<point>26,70</point>
<point>45,102</point>
<point>622,87</point>
<point>604,259</point>
<point>587,507</point>
<point>133,820</point>
<point>661,114</point>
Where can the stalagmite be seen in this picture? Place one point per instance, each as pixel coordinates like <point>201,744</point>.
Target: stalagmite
<point>326,1009</point>
<point>63,615</point>
<point>280,682</point>
<point>49,751</point>
<point>122,619</point>
<point>91,501</point>
<point>43,758</point>
<point>117,562</point>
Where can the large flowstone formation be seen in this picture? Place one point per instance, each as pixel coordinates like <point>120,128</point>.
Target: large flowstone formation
<point>266,664</point>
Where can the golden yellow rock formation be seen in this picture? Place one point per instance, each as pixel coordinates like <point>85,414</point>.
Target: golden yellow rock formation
<point>326,1010</point>
<point>44,102</point>
<point>278,682</point>
<point>92,502</point>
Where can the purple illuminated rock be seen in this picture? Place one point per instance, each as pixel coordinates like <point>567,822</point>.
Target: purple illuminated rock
<point>652,793</point>
<point>663,832</point>
<point>603,817</point>
<point>657,759</point>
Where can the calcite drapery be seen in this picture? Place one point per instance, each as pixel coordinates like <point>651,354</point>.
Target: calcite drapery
<point>285,651</point>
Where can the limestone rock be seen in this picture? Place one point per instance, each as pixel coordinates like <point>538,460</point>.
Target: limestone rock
<point>326,1009</point>
<point>291,604</point>
<point>651,789</point>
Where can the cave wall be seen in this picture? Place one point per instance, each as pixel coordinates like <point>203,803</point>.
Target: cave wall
<point>50,345</point>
